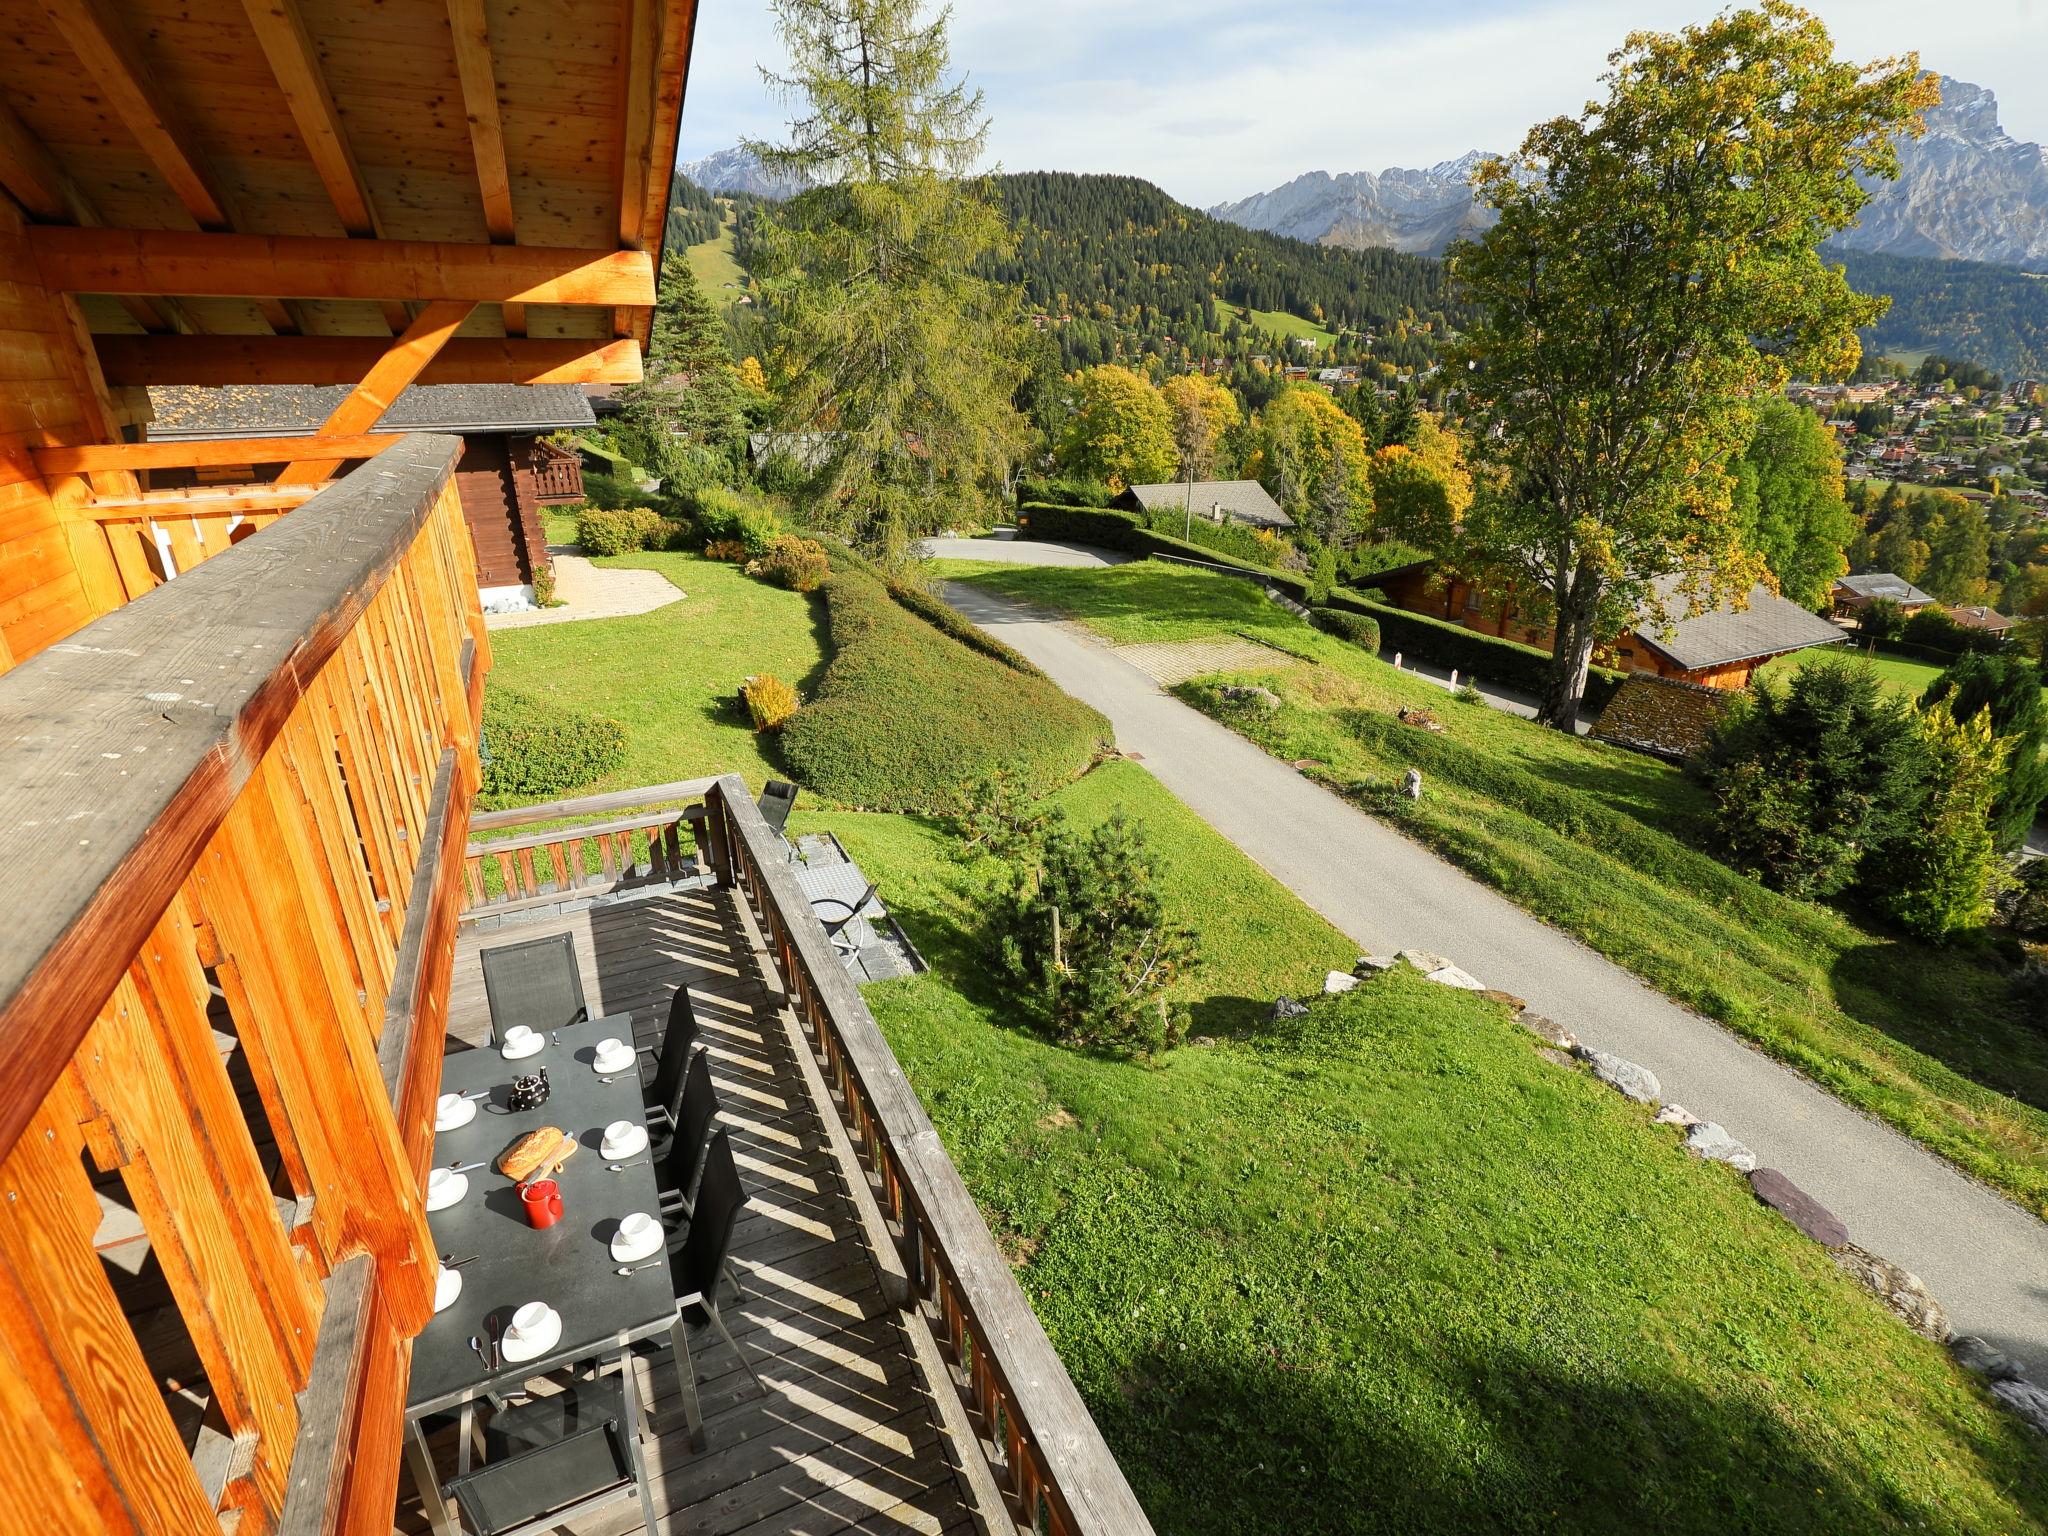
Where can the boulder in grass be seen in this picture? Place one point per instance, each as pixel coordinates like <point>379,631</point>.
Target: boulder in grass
<point>1285,1008</point>
<point>1507,1000</point>
<point>1374,963</point>
<point>1901,1290</point>
<point>1799,1208</point>
<point>1339,981</point>
<point>1554,1057</point>
<point>1984,1358</point>
<point>1626,1078</point>
<point>1451,976</point>
<point>1712,1142</point>
<point>1423,960</point>
<point>1549,1030</point>
<point>2026,1400</point>
<point>1678,1115</point>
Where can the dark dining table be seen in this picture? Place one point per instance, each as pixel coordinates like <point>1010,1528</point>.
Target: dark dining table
<point>509,1263</point>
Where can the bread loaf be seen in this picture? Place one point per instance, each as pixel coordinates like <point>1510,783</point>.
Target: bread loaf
<point>531,1152</point>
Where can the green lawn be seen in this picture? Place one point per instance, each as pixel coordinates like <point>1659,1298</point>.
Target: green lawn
<point>712,263</point>
<point>671,676</point>
<point>1902,673</point>
<point>1389,1271</point>
<point>1615,848</point>
<point>1279,323</point>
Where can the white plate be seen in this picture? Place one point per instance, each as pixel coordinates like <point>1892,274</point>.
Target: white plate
<point>456,1121</point>
<point>627,1253</point>
<point>532,1347</point>
<point>632,1146</point>
<point>447,1286</point>
<point>623,1062</point>
<point>514,1053</point>
<point>456,1188</point>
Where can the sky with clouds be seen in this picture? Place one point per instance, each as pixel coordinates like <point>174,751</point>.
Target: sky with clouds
<point>1216,100</point>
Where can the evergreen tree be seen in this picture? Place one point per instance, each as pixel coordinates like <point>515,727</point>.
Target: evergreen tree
<point>2006,687</point>
<point>1936,879</point>
<point>686,421</point>
<point>893,344</point>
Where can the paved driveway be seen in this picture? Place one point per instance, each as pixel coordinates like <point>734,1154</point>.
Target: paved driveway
<point>1019,552</point>
<point>1985,1259</point>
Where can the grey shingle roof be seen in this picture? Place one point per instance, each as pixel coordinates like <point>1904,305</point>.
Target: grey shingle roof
<point>1875,584</point>
<point>1244,500</point>
<point>1769,626</point>
<point>287,410</point>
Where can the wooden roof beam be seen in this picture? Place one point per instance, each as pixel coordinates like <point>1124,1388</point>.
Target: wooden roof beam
<point>295,64</point>
<point>309,267</point>
<point>387,379</point>
<point>98,458</point>
<point>107,49</point>
<point>144,360</point>
<point>466,25</point>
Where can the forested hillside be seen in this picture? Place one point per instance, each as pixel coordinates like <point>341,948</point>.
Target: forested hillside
<point>1113,260</point>
<point>1997,316</point>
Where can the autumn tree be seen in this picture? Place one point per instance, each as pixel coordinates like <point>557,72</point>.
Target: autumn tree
<point>1118,429</point>
<point>1655,272</point>
<point>890,344</point>
<point>1204,412</point>
<point>1315,461</point>
<point>1422,488</point>
<point>1789,503</point>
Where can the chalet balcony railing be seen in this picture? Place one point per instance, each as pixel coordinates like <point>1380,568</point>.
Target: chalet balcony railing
<point>557,474</point>
<point>1039,1440</point>
<point>635,837</point>
<point>234,809</point>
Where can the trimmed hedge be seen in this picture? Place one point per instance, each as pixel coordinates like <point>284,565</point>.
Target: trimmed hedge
<point>1506,662</point>
<point>1346,625</point>
<point>934,611</point>
<point>623,530</point>
<point>907,718</point>
<point>537,752</point>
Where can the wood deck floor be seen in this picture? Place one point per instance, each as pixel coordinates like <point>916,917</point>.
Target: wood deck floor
<point>850,1437</point>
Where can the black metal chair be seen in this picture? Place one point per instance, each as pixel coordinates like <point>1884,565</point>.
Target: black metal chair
<point>557,1458</point>
<point>835,927</point>
<point>699,1261</point>
<point>778,798</point>
<point>534,982</point>
<point>681,1169</point>
<point>664,1095</point>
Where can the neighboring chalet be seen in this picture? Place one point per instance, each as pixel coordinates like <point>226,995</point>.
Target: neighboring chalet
<point>1977,616</point>
<point>1853,594</point>
<point>506,474</point>
<point>247,895</point>
<point>1721,648</point>
<point>1220,501</point>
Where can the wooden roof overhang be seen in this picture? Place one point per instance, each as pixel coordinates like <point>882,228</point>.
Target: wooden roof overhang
<point>256,191</point>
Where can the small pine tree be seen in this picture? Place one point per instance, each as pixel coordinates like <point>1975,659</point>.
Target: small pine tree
<point>2006,687</point>
<point>685,422</point>
<point>1809,775</point>
<point>1938,879</point>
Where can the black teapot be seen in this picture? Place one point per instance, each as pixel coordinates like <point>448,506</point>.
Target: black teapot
<point>528,1092</point>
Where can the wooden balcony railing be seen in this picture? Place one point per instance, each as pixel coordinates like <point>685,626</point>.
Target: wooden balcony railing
<point>1040,1442</point>
<point>557,473</point>
<point>235,811</point>
<point>582,849</point>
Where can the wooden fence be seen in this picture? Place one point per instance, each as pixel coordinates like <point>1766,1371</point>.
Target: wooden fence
<point>1041,1443</point>
<point>235,813</point>
<point>582,848</point>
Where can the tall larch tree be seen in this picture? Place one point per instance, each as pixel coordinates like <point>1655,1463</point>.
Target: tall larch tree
<point>1655,273</point>
<point>890,344</point>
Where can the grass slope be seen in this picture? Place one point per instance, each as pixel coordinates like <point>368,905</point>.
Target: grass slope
<point>1279,324</point>
<point>1392,1272</point>
<point>1614,848</point>
<point>670,676</point>
<point>1901,673</point>
<point>714,266</point>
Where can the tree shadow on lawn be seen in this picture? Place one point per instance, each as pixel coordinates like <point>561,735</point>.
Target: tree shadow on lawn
<point>1965,1011</point>
<point>1453,1441</point>
<point>1155,594</point>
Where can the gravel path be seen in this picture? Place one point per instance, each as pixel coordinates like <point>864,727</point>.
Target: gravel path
<point>1984,1258</point>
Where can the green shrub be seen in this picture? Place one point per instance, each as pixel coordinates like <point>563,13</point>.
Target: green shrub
<point>1882,620</point>
<point>1932,629</point>
<point>537,752</point>
<point>1346,625</point>
<point>770,701</point>
<point>1808,776</point>
<point>723,516</point>
<point>622,531</point>
<point>2026,903</point>
<point>1083,931</point>
<point>2009,686</point>
<point>1064,492</point>
<point>1936,879</point>
<point>610,490</point>
<point>905,716</point>
<point>798,564</point>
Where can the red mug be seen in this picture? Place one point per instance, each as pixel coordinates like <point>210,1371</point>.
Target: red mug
<point>542,1202</point>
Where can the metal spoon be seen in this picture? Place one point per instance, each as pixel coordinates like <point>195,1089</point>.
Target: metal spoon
<point>634,1269</point>
<point>615,1167</point>
<point>448,1263</point>
<point>466,1167</point>
<point>476,1342</point>
<point>481,1093</point>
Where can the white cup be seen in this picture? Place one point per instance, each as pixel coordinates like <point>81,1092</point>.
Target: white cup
<point>448,1104</point>
<point>440,1182</point>
<point>638,1229</point>
<point>528,1320</point>
<point>607,1049</point>
<point>619,1132</point>
<point>518,1035</point>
